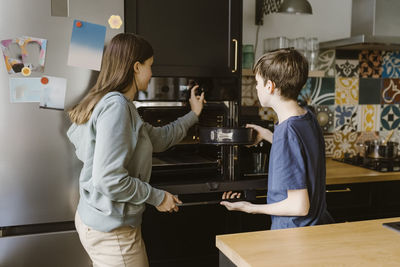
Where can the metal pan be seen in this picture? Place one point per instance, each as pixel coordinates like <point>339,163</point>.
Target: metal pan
<point>380,149</point>
<point>227,136</point>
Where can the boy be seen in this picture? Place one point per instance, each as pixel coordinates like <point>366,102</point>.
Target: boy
<point>296,176</point>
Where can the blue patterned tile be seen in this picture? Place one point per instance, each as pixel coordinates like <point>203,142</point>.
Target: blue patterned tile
<point>318,91</point>
<point>391,64</point>
<point>390,117</point>
<point>346,118</point>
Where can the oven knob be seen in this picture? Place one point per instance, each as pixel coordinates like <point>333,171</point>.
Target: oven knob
<point>213,186</point>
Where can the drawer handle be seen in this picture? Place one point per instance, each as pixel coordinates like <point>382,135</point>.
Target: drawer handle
<point>339,190</point>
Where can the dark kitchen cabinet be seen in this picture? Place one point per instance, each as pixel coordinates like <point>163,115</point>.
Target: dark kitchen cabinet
<point>187,238</point>
<point>191,38</point>
<point>364,201</point>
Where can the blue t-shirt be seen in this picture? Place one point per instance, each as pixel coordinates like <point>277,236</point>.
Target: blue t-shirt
<point>297,161</point>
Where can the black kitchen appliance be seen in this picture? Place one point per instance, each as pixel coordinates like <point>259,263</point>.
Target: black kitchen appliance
<point>376,164</point>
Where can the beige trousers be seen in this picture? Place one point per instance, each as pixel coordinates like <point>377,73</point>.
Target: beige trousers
<point>121,247</point>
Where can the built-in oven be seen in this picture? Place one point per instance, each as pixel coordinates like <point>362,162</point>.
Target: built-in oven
<point>192,168</point>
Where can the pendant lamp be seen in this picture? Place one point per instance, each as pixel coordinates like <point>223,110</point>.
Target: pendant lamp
<point>295,7</point>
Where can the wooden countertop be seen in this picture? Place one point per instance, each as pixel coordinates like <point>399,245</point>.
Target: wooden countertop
<point>365,243</point>
<point>342,173</point>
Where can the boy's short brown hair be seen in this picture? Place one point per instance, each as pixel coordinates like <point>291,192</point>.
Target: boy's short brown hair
<point>287,68</point>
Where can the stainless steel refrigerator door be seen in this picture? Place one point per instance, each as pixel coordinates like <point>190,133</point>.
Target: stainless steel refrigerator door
<point>38,168</point>
<point>62,249</point>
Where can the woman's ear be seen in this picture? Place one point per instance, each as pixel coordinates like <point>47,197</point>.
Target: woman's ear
<point>136,66</point>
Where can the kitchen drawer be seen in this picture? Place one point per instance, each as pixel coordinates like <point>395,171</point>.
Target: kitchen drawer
<point>351,202</point>
<point>349,195</point>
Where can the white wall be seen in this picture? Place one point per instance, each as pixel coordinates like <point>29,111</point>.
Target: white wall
<point>331,20</point>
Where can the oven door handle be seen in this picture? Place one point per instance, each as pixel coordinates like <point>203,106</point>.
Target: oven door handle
<point>199,203</point>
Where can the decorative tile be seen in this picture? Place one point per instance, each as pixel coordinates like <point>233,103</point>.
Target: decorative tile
<point>326,62</point>
<point>268,114</point>
<point>346,118</point>
<point>395,137</point>
<point>318,91</point>
<point>346,91</point>
<point>249,92</point>
<point>347,68</point>
<point>329,144</point>
<point>390,117</point>
<point>370,64</point>
<point>390,91</point>
<point>365,136</point>
<point>325,117</point>
<point>369,117</point>
<point>391,64</point>
<point>370,91</point>
<point>344,143</point>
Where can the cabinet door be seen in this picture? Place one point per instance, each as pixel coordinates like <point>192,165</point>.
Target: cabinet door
<point>190,37</point>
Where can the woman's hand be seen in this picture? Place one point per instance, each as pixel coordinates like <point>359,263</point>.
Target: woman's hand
<point>196,102</point>
<point>169,203</point>
<point>262,133</point>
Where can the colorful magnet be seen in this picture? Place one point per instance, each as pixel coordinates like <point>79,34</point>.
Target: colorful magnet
<point>44,80</point>
<point>26,71</point>
<point>115,22</point>
<point>78,24</point>
<point>87,44</point>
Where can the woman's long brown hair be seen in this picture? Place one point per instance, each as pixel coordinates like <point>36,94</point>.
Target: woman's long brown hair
<point>116,74</point>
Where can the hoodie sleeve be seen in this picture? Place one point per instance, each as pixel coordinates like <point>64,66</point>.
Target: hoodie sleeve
<point>164,137</point>
<point>115,142</point>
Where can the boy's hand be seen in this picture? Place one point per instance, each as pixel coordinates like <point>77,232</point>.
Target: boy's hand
<point>230,195</point>
<point>239,206</point>
<point>263,133</point>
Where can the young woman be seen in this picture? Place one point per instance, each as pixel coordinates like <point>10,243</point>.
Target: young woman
<point>116,147</point>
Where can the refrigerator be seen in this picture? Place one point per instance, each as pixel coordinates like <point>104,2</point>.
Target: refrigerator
<point>39,171</point>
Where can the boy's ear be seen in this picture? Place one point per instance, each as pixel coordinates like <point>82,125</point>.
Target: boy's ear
<point>270,87</point>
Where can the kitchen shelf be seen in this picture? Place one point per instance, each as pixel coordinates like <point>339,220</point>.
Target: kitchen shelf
<point>314,73</point>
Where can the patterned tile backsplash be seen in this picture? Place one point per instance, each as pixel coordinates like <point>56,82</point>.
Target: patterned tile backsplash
<point>358,98</point>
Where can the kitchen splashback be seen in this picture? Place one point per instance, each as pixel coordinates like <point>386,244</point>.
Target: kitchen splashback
<point>358,98</point>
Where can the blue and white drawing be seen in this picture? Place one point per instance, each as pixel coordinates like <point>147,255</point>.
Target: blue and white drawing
<point>87,44</point>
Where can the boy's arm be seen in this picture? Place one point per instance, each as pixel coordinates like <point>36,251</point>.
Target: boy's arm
<point>296,204</point>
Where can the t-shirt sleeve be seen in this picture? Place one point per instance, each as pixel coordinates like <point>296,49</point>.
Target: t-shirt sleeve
<point>288,164</point>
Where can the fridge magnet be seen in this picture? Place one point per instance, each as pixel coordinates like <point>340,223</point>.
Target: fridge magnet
<point>53,92</point>
<point>115,22</point>
<point>87,44</point>
<point>26,71</point>
<point>25,90</point>
<point>24,52</point>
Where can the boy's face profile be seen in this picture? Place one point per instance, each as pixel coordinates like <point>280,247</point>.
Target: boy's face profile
<point>264,91</point>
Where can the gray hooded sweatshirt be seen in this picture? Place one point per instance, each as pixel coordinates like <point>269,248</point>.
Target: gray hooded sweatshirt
<point>116,148</point>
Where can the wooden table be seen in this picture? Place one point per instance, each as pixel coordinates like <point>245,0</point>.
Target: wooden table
<point>342,173</point>
<point>364,243</point>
